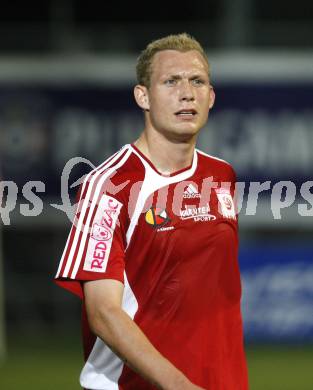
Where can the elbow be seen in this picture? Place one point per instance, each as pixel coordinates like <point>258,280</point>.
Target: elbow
<point>95,321</point>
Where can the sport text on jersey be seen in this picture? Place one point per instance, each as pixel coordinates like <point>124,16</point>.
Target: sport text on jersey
<point>197,213</point>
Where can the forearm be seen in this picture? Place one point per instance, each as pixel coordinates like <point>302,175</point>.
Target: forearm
<point>127,340</point>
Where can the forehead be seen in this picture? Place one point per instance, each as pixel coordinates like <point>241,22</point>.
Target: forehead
<point>170,62</point>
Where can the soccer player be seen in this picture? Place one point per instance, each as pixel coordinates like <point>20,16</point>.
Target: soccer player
<point>153,248</point>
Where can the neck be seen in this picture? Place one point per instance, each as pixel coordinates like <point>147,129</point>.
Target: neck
<point>167,156</point>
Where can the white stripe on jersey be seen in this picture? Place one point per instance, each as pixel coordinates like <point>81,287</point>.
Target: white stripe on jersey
<point>92,206</point>
<point>111,158</point>
<point>94,174</point>
<point>152,182</point>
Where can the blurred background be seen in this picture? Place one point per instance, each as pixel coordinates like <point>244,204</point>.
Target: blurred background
<point>67,69</point>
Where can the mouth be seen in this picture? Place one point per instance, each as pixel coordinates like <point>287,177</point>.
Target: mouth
<point>186,113</point>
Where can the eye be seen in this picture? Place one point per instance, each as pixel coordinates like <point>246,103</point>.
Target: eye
<point>198,82</point>
<point>170,82</point>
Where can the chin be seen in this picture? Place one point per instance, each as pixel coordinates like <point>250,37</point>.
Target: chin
<point>183,134</point>
<point>188,128</point>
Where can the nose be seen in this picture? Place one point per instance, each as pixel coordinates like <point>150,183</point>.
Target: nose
<point>186,91</point>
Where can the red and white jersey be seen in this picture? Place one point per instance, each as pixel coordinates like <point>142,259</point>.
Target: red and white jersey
<point>172,241</point>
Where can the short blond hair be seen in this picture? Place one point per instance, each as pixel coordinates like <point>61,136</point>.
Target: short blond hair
<point>181,42</point>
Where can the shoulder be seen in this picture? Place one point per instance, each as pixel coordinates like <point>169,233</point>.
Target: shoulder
<point>117,167</point>
<point>104,176</point>
<point>115,176</point>
<point>216,165</point>
<point>115,161</point>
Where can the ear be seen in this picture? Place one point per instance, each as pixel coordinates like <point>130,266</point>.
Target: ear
<point>142,97</point>
<point>212,97</point>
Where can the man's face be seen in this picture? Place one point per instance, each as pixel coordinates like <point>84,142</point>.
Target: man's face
<point>180,94</point>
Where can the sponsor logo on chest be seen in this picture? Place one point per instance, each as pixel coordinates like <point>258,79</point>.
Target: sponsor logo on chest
<point>157,218</point>
<point>201,213</point>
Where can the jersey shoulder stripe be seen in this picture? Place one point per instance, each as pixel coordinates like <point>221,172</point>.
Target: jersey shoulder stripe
<point>90,192</point>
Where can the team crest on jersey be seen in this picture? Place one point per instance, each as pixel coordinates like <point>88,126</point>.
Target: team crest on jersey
<point>101,236</point>
<point>157,217</point>
<point>227,207</point>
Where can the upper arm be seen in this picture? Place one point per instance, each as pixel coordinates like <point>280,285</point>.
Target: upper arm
<point>101,298</point>
<point>103,293</point>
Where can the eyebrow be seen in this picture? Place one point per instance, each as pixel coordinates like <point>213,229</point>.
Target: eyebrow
<point>178,77</point>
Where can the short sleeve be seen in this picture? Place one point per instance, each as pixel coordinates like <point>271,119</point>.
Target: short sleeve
<point>96,244</point>
<point>234,190</point>
<point>226,196</point>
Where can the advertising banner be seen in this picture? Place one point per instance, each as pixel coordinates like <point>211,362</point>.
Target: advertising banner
<point>264,130</point>
<point>278,291</point>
